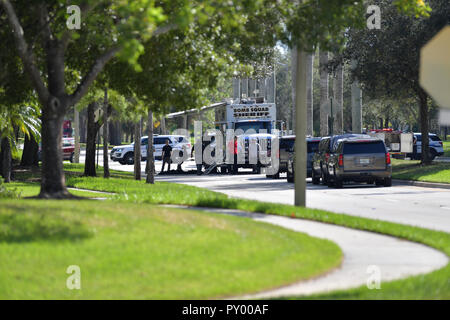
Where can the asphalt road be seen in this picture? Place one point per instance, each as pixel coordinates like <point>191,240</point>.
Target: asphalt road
<point>418,206</point>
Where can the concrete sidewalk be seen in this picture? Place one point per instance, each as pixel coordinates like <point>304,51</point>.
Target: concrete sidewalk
<point>395,258</point>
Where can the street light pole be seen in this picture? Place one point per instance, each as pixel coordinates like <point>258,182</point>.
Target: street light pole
<point>300,127</point>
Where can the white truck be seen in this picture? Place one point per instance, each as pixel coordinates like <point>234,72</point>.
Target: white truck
<point>399,144</point>
<point>252,121</point>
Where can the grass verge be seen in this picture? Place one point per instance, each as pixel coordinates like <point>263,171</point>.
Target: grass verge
<point>435,285</point>
<point>136,251</point>
<point>412,170</point>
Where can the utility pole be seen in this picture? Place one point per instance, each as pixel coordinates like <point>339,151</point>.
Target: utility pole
<point>300,126</point>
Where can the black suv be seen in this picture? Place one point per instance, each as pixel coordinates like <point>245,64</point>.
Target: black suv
<point>312,145</point>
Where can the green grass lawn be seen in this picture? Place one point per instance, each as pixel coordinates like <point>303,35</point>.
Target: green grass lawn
<point>434,285</point>
<point>412,170</point>
<point>136,251</point>
<point>27,189</point>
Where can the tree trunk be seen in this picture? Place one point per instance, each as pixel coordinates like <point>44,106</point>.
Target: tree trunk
<point>323,61</point>
<point>356,104</point>
<point>89,165</point>
<point>105,136</point>
<point>6,160</point>
<point>53,185</point>
<point>30,152</point>
<point>150,168</point>
<point>76,121</point>
<point>338,100</point>
<point>423,100</point>
<point>137,150</point>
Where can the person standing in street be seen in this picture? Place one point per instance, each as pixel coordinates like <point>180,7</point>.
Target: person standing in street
<point>166,155</point>
<point>233,146</point>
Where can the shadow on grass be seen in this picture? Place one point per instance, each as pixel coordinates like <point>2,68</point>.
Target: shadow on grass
<point>17,224</point>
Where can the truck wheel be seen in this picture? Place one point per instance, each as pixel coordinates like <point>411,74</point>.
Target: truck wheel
<point>129,158</point>
<point>273,176</point>
<point>337,182</point>
<point>388,182</point>
<point>290,178</point>
<point>315,180</point>
<point>324,178</point>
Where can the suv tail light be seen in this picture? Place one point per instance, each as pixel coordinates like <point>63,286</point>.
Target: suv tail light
<point>341,160</point>
<point>327,156</point>
<point>388,158</point>
<point>441,143</point>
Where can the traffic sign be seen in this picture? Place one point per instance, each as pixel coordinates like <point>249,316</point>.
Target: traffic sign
<point>435,68</point>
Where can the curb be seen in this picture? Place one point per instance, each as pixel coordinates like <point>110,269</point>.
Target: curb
<point>422,184</point>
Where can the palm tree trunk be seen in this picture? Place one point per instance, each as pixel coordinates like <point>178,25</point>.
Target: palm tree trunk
<point>89,164</point>
<point>323,61</point>
<point>356,105</point>
<point>423,100</point>
<point>137,150</point>
<point>105,136</point>
<point>6,160</point>
<point>338,100</point>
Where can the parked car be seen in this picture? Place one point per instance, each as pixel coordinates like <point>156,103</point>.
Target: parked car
<point>312,145</point>
<point>436,146</point>
<point>320,159</point>
<point>360,160</point>
<point>125,154</point>
<point>68,149</point>
<point>285,148</point>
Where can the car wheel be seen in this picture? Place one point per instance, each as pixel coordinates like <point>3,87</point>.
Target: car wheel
<point>388,182</point>
<point>129,158</point>
<point>71,157</point>
<point>315,180</point>
<point>433,154</point>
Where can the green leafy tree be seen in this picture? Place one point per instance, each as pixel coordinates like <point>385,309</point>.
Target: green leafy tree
<point>388,60</point>
<point>49,52</point>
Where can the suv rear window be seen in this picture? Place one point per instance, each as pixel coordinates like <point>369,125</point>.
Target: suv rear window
<point>313,146</point>
<point>364,147</point>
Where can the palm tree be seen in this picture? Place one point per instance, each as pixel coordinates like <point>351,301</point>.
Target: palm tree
<point>26,120</point>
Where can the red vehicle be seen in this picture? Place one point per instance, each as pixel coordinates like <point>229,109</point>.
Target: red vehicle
<point>67,129</point>
<point>68,148</point>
